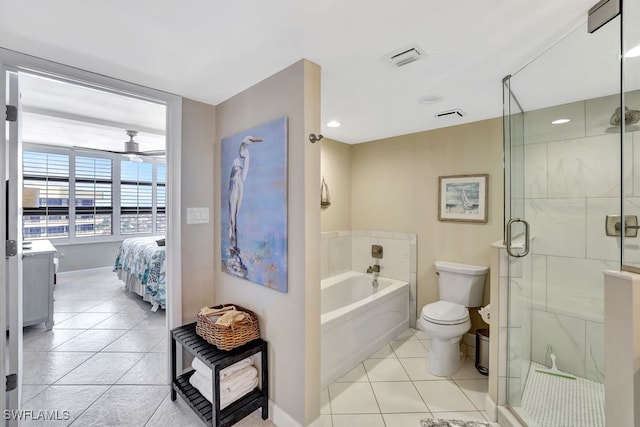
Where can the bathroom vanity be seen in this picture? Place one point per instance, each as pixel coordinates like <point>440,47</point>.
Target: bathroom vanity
<point>37,282</point>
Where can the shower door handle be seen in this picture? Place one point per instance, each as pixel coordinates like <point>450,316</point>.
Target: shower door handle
<point>526,238</point>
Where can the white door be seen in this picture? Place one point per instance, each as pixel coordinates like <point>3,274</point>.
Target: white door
<point>11,354</point>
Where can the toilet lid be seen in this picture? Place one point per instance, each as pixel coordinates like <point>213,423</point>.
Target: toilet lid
<point>445,313</point>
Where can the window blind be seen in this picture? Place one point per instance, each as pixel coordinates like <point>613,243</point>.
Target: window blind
<point>93,196</point>
<point>136,197</point>
<point>48,175</point>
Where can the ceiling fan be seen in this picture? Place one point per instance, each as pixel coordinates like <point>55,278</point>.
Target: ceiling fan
<point>131,148</point>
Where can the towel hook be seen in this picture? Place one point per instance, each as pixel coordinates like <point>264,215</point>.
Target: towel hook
<point>315,138</point>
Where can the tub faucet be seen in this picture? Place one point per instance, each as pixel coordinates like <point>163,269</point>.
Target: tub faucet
<point>373,269</point>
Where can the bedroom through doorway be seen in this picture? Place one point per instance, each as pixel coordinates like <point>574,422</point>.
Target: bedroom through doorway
<point>94,178</point>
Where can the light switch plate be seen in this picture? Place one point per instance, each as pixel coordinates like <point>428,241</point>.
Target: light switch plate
<point>197,215</point>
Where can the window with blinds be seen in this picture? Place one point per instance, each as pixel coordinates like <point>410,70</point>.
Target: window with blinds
<point>93,196</point>
<point>136,197</point>
<point>46,187</point>
<point>79,198</point>
<point>161,198</point>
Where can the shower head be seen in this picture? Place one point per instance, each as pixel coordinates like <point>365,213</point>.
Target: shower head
<point>631,117</point>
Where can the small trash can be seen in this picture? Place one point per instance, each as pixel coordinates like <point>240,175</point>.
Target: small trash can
<point>482,351</point>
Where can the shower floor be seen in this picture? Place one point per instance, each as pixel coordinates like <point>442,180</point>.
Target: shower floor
<point>553,401</point>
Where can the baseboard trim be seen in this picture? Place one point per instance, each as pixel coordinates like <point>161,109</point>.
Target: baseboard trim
<point>324,420</point>
<point>87,271</point>
<point>507,419</point>
<point>491,408</point>
<point>280,417</point>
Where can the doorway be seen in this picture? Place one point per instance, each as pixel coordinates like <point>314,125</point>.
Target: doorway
<point>92,225</point>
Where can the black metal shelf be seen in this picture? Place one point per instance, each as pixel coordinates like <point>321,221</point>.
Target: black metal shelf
<point>217,360</point>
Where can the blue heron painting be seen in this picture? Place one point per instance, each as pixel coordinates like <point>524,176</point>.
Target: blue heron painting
<point>254,204</point>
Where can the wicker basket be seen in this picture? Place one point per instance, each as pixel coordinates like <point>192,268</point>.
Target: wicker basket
<point>229,337</point>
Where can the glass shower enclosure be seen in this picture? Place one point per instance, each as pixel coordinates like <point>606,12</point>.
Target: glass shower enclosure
<point>570,152</point>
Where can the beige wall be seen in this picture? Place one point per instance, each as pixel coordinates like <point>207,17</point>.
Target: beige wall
<point>335,167</point>
<point>395,188</point>
<point>290,321</point>
<point>198,142</point>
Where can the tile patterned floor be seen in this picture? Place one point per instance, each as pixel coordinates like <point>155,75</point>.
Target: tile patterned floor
<point>105,362</point>
<point>393,388</point>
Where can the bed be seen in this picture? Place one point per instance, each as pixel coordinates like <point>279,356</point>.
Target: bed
<point>140,264</point>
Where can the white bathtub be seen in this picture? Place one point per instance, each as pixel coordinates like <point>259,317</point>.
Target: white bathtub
<point>357,320</point>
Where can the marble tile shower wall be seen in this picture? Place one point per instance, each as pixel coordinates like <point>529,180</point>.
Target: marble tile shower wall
<point>343,251</point>
<point>572,181</point>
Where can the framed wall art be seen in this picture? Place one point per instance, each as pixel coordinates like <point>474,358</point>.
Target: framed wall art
<point>463,198</point>
<point>254,204</point>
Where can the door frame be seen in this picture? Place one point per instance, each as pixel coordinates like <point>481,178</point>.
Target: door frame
<point>22,62</point>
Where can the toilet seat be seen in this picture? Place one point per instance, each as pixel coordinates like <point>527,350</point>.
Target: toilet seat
<point>445,313</point>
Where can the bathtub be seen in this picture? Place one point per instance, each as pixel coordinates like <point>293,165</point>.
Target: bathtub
<point>357,320</point>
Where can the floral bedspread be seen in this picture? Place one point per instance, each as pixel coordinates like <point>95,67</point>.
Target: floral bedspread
<point>142,258</point>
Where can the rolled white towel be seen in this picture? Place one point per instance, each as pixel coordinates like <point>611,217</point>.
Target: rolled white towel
<point>203,385</point>
<point>228,398</point>
<point>199,366</point>
<point>239,379</point>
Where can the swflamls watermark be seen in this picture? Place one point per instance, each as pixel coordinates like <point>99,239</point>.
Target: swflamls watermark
<point>44,415</point>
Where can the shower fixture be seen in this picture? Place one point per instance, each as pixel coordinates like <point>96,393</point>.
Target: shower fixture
<point>631,117</point>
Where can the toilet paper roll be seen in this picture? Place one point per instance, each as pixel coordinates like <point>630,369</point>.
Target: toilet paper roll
<point>485,313</point>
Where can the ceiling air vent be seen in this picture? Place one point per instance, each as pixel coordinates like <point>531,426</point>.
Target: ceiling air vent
<point>405,55</point>
<point>457,113</point>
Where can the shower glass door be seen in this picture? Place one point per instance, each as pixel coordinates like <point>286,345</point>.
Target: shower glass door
<point>631,90</point>
<point>519,244</point>
<point>563,177</point>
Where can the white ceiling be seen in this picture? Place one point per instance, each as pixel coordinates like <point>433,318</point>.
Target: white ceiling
<point>65,114</point>
<point>209,50</point>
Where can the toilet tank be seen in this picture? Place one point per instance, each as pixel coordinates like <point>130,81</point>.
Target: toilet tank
<point>461,283</point>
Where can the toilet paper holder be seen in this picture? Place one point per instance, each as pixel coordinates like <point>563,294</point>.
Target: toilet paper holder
<point>485,313</point>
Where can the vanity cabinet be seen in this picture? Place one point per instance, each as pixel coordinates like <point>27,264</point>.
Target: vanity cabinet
<point>37,283</point>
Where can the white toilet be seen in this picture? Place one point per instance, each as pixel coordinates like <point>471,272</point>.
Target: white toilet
<point>447,320</point>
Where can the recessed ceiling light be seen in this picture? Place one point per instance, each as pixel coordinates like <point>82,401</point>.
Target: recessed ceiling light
<point>634,52</point>
<point>560,121</point>
<point>430,99</point>
<point>334,124</point>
